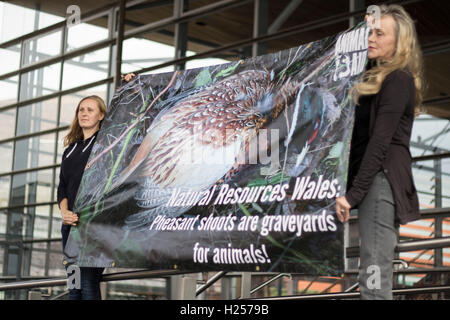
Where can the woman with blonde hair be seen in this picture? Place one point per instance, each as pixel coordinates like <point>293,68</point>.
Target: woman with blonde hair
<point>89,115</point>
<point>380,182</point>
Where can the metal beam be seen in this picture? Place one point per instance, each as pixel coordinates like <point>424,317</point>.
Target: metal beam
<point>246,282</point>
<point>353,252</point>
<point>262,285</point>
<point>205,10</point>
<point>284,15</point>
<point>195,13</point>
<point>186,16</point>
<point>420,145</point>
<point>150,5</point>
<point>210,282</point>
<point>284,33</point>
<point>85,17</point>
<point>436,47</point>
<point>424,214</point>
<point>260,26</point>
<point>409,271</point>
<point>55,95</point>
<point>352,295</point>
<point>181,31</point>
<point>437,135</point>
<point>143,274</point>
<point>355,5</point>
<point>168,63</point>
<point>119,44</point>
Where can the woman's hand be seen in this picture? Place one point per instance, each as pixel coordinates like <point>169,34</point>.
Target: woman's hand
<point>128,77</point>
<point>69,217</point>
<point>342,209</point>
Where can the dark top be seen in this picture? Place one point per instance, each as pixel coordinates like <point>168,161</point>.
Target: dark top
<point>73,162</point>
<point>390,126</point>
<point>360,137</point>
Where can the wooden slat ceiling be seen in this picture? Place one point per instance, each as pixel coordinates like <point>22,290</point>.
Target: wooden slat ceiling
<point>432,19</point>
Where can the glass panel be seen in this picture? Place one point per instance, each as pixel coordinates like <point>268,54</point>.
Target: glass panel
<point>37,117</point>
<point>446,230</point>
<point>2,254</point>
<point>56,228</point>
<point>19,186</point>
<point>430,135</point>
<point>47,149</point>
<point>142,53</point>
<point>20,17</point>
<point>86,68</point>
<point>40,82</point>
<point>4,190</point>
<point>199,63</point>
<point>83,34</point>
<point>8,123</point>
<point>25,192</point>
<point>6,152</point>
<point>37,267</point>
<point>46,19</point>
<point>445,182</point>
<point>20,218</point>
<point>42,47</point>
<point>8,91</point>
<point>423,179</point>
<point>10,58</point>
<point>2,228</point>
<point>446,257</point>
<point>70,102</point>
<point>34,152</point>
<point>68,108</point>
<point>432,180</point>
<point>43,192</point>
<point>40,228</point>
<point>55,194</point>
<point>61,148</point>
<point>43,211</point>
<point>18,20</point>
<point>418,259</point>
<point>28,221</point>
<point>419,229</point>
<point>56,217</point>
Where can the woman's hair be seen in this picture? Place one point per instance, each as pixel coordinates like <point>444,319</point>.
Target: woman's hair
<point>75,132</point>
<point>407,56</point>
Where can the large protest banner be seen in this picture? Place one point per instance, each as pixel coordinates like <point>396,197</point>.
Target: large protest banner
<point>229,167</point>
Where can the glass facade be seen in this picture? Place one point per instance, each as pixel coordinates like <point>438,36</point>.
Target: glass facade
<point>29,144</point>
<point>37,105</point>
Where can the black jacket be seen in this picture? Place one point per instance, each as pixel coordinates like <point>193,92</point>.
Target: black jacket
<point>73,162</point>
<point>391,120</point>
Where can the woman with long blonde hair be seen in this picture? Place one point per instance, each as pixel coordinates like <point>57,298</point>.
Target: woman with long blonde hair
<point>380,183</point>
<point>89,115</point>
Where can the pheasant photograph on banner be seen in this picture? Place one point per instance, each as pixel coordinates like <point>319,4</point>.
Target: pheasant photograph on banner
<point>231,167</point>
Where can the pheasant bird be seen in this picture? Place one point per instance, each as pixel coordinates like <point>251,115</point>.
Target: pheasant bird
<point>195,143</point>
